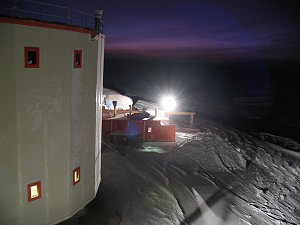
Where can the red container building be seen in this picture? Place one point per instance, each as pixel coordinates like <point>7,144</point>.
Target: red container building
<point>146,130</point>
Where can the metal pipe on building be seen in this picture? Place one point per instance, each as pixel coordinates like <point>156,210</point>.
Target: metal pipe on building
<point>98,29</point>
<point>115,107</point>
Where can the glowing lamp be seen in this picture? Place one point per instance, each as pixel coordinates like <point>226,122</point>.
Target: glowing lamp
<point>168,103</point>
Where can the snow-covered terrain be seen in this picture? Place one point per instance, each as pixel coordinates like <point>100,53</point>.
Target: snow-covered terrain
<point>215,175</point>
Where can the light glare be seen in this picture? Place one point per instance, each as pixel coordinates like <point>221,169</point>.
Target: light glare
<point>168,103</point>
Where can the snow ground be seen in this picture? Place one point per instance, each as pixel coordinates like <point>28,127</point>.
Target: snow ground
<point>217,175</point>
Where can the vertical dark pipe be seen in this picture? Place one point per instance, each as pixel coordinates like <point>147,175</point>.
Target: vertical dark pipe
<point>98,25</point>
<point>115,108</point>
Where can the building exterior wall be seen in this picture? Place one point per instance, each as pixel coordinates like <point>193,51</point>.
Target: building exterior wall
<point>139,128</point>
<point>48,123</point>
<point>166,133</point>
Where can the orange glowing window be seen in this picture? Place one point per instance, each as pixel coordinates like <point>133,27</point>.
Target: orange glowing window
<point>76,175</point>
<point>77,58</point>
<point>32,57</point>
<point>34,191</point>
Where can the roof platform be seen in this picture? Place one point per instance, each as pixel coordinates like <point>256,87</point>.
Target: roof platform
<point>182,113</point>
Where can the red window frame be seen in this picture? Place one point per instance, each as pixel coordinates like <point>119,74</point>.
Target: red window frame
<point>32,49</point>
<point>80,53</point>
<point>78,171</point>
<point>39,185</point>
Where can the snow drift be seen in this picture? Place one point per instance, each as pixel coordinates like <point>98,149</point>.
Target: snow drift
<point>215,176</point>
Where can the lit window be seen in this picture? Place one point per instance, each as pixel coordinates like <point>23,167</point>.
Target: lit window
<point>76,175</point>
<point>77,58</point>
<point>149,129</point>
<point>32,57</point>
<point>34,191</point>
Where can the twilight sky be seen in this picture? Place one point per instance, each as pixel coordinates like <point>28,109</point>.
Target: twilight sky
<point>227,29</point>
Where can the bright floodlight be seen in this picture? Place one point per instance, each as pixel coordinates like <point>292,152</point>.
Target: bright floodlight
<point>168,103</point>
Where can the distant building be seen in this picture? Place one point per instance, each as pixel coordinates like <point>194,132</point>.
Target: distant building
<point>145,105</point>
<point>109,95</point>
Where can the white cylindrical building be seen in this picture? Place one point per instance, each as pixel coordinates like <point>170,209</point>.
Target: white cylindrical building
<point>50,116</point>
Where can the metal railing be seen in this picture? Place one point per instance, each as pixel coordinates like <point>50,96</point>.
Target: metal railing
<point>31,9</point>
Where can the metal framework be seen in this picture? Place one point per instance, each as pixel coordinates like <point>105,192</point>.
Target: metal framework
<point>48,12</point>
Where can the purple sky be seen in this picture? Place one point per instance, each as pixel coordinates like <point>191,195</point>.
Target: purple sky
<point>213,29</point>
<point>210,29</point>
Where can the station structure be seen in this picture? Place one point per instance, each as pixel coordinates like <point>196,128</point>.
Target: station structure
<point>50,92</point>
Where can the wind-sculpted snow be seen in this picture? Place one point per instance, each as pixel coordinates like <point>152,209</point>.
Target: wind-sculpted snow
<point>259,177</point>
<point>281,141</point>
<point>215,176</point>
<point>138,190</point>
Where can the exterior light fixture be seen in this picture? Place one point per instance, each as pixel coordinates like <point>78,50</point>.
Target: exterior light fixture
<point>168,103</point>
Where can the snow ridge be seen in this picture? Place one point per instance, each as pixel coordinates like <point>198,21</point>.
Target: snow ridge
<point>216,176</point>
<point>271,177</point>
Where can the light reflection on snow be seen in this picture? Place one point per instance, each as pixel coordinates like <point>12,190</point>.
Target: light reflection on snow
<point>184,138</point>
<point>152,149</point>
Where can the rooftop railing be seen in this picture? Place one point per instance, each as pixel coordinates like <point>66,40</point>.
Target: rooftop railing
<point>30,9</point>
